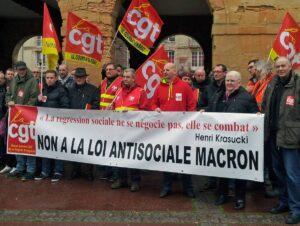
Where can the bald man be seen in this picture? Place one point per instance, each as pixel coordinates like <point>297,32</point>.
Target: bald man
<point>173,94</point>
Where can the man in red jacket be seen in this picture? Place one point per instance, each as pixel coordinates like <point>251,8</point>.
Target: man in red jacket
<point>130,97</point>
<point>173,94</point>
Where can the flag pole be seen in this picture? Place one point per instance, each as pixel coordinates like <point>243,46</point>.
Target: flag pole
<point>112,42</point>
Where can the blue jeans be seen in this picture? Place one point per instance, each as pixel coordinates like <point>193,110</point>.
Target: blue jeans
<point>25,163</point>
<point>286,165</point>
<point>46,167</point>
<point>186,179</point>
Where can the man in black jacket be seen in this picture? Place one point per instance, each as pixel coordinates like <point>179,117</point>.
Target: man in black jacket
<point>83,96</point>
<point>54,95</point>
<point>235,99</point>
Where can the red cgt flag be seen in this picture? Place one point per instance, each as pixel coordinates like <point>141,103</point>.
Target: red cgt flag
<point>287,42</point>
<point>141,25</point>
<point>83,41</point>
<point>50,46</point>
<point>149,74</point>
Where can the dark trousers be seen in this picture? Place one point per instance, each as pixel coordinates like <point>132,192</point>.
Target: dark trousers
<point>82,168</point>
<point>121,174</point>
<point>186,179</point>
<point>239,188</point>
<point>9,160</point>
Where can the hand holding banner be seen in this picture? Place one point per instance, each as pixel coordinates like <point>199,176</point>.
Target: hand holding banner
<point>84,41</point>
<point>149,74</point>
<point>141,25</point>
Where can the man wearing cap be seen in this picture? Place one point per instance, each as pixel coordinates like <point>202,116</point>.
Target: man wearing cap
<point>172,94</point>
<point>23,90</point>
<point>83,96</point>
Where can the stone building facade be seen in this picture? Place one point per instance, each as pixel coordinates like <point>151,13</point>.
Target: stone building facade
<point>241,29</point>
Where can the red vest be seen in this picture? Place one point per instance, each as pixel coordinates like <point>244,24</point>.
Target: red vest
<point>130,100</point>
<point>108,93</point>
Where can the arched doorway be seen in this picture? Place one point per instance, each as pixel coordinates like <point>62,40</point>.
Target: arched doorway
<point>184,51</point>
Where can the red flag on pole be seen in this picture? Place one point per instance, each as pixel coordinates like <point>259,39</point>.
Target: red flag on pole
<point>83,41</point>
<point>149,74</point>
<point>287,42</point>
<point>51,46</point>
<point>141,25</point>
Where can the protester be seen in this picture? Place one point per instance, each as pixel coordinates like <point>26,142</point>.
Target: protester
<point>264,75</point>
<point>54,95</point>
<point>119,69</point>
<point>234,99</point>
<point>252,71</point>
<point>200,82</point>
<point>188,78</point>
<point>216,85</point>
<point>83,96</point>
<point>23,90</point>
<point>130,97</point>
<point>172,94</point>
<point>109,86</point>
<point>36,72</point>
<point>9,75</point>
<point>3,130</point>
<point>65,78</point>
<point>281,106</point>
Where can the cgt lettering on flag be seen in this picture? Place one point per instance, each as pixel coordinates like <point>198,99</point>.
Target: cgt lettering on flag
<point>149,74</point>
<point>84,41</point>
<point>141,25</point>
<point>287,42</point>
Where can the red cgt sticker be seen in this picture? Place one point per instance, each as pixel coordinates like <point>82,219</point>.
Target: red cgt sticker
<point>290,100</point>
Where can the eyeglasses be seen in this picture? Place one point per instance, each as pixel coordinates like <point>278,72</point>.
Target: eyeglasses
<point>35,72</point>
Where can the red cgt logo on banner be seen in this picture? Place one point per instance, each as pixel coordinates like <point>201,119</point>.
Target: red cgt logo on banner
<point>84,41</point>
<point>141,25</point>
<point>149,74</point>
<point>21,130</point>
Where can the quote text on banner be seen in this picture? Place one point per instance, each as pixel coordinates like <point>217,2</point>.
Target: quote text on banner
<point>212,144</point>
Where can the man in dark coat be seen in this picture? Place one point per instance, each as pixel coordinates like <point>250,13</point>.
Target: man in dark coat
<point>54,95</point>
<point>83,96</point>
<point>23,89</point>
<point>281,106</point>
<point>235,99</point>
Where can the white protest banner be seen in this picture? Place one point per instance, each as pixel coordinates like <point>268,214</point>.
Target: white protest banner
<point>212,144</point>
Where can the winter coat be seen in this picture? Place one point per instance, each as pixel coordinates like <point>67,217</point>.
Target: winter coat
<point>83,96</point>
<point>131,99</point>
<point>57,96</point>
<point>174,96</point>
<point>3,108</point>
<point>23,90</point>
<point>240,101</point>
<point>288,132</point>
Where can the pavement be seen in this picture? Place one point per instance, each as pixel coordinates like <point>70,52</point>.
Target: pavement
<point>83,203</point>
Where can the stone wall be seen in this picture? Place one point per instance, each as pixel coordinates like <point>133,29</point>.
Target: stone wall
<point>242,29</point>
<point>245,29</point>
<point>100,12</point>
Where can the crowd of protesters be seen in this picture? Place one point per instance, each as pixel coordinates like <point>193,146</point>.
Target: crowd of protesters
<point>275,93</point>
